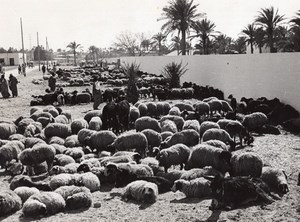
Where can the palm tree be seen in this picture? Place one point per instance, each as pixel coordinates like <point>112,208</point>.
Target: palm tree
<point>159,38</point>
<point>73,46</point>
<point>240,45</point>
<point>176,44</point>
<point>269,19</point>
<point>173,72</point>
<point>248,32</point>
<point>295,32</point>
<point>94,51</point>
<point>222,44</point>
<point>204,29</point>
<point>131,71</point>
<point>259,38</point>
<point>180,14</point>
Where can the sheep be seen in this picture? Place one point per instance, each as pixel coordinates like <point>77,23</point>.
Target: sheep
<point>199,172</point>
<point>6,130</point>
<point>218,134</point>
<point>36,115</point>
<point>16,136</point>
<point>202,108</point>
<point>35,109</point>
<point>205,155</point>
<point>92,162</point>
<point>84,134</point>
<point>217,143</point>
<point>25,192</point>
<point>72,141</point>
<point>101,140</point>
<point>134,114</point>
<point>254,121</point>
<point>131,140</point>
<point>152,109</point>
<point>192,124</point>
<point>30,142</point>
<point>275,178</point>
<point>172,176</point>
<point>188,137</point>
<point>61,119</point>
<point>163,184</point>
<point>147,122</point>
<point>198,187</point>
<point>153,137</point>
<point>178,120</point>
<point>175,111</point>
<point>215,105</point>
<point>10,151</point>
<point>52,110</point>
<point>95,123</point>
<point>10,202</point>
<point>226,107</point>
<point>23,123</point>
<point>143,109</point>
<point>44,203</point>
<point>38,154</point>
<point>206,125</point>
<point>174,155</point>
<point>184,106</point>
<point>168,126</point>
<point>63,160</point>
<point>23,180</point>
<point>89,115</point>
<point>78,124</point>
<point>70,168</point>
<point>165,135</point>
<point>153,163</point>
<point>59,149</point>
<point>57,129</point>
<point>116,159</point>
<point>45,121</point>
<point>83,98</point>
<point>246,164</point>
<point>141,191</point>
<point>76,152</point>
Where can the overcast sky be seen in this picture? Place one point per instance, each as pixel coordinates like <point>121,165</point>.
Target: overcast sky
<point>98,22</point>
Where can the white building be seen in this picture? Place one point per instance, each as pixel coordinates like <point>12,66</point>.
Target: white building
<point>12,59</point>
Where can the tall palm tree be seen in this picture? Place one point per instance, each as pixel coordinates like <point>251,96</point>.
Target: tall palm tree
<point>204,29</point>
<point>222,44</point>
<point>259,38</point>
<point>295,32</point>
<point>180,14</point>
<point>248,32</point>
<point>94,51</point>
<point>269,19</point>
<point>73,46</point>
<point>159,38</point>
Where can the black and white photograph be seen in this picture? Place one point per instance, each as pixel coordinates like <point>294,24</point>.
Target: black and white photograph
<point>150,110</point>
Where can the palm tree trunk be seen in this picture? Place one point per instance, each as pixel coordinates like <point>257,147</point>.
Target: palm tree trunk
<point>159,48</point>
<point>74,57</point>
<point>183,42</point>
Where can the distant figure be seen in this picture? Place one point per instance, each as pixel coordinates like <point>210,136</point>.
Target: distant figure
<point>233,102</point>
<point>43,69</point>
<point>19,69</point>
<point>13,82</point>
<point>54,68</point>
<point>96,93</point>
<point>24,69</point>
<point>4,87</point>
<point>52,82</point>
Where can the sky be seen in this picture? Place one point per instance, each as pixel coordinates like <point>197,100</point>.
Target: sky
<point>98,22</point>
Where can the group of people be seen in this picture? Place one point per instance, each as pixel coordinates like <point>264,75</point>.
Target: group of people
<point>10,84</point>
<point>22,69</point>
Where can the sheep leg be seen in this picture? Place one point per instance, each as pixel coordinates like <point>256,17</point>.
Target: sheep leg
<point>181,166</point>
<point>166,169</point>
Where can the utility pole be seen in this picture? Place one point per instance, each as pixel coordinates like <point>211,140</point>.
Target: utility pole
<point>22,41</point>
<point>37,36</point>
<point>47,51</point>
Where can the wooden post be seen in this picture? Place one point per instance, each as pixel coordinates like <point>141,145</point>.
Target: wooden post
<point>22,41</point>
<point>37,35</point>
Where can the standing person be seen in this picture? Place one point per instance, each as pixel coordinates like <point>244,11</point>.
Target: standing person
<point>43,69</point>
<point>4,87</point>
<point>19,69</point>
<point>96,93</point>
<point>52,82</point>
<point>13,82</point>
<point>24,69</point>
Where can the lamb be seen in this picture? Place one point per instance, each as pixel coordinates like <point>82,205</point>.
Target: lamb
<point>246,164</point>
<point>198,187</point>
<point>141,191</point>
<point>178,120</point>
<point>205,155</point>
<point>143,109</point>
<point>25,192</point>
<point>72,141</point>
<point>7,129</point>
<point>78,124</point>
<point>131,140</point>
<point>101,140</point>
<point>275,178</point>
<point>206,125</point>
<point>10,202</point>
<point>175,111</point>
<point>44,203</point>
<point>57,129</point>
<point>70,168</point>
<point>192,124</point>
<point>89,115</point>
<point>76,152</point>
<point>218,134</point>
<point>10,151</point>
<point>22,180</point>
<point>168,126</point>
<point>174,155</point>
<point>199,172</point>
<point>95,123</point>
<point>147,122</point>
<point>134,114</point>
<point>254,121</point>
<point>188,137</point>
<point>153,137</point>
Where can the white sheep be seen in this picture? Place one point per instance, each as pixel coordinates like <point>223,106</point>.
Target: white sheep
<point>31,141</point>
<point>217,143</point>
<point>79,200</point>
<point>70,168</point>
<point>200,172</point>
<point>101,140</point>
<point>202,108</point>
<point>68,114</point>
<point>205,155</point>
<point>57,129</point>
<point>178,120</point>
<point>141,191</point>
<point>198,187</point>
<point>16,136</point>
<point>226,107</point>
<point>172,176</point>
<point>147,122</point>
<point>206,125</point>
<point>56,140</point>
<point>174,111</point>
<point>7,129</point>
<point>134,114</point>
<point>168,126</point>
<point>10,151</point>
<point>143,109</point>
<point>44,203</point>
<point>72,141</point>
<point>10,202</point>
<point>275,178</point>
<point>188,137</point>
<point>174,155</point>
<point>153,137</point>
<point>67,191</point>
<point>95,123</point>
<point>25,192</point>
<point>63,159</point>
<point>61,119</point>
<point>246,164</point>
<point>89,115</point>
<point>192,124</point>
<point>218,134</point>
<point>78,124</point>
<point>75,152</point>
<point>254,121</point>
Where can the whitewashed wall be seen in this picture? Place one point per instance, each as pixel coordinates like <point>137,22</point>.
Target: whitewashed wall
<point>269,75</point>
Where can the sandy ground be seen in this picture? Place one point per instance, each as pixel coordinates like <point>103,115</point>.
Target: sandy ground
<point>280,151</point>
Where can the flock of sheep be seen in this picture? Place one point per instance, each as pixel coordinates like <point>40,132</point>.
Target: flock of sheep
<point>58,162</point>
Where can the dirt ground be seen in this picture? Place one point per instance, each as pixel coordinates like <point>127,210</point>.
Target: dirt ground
<point>279,151</point>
